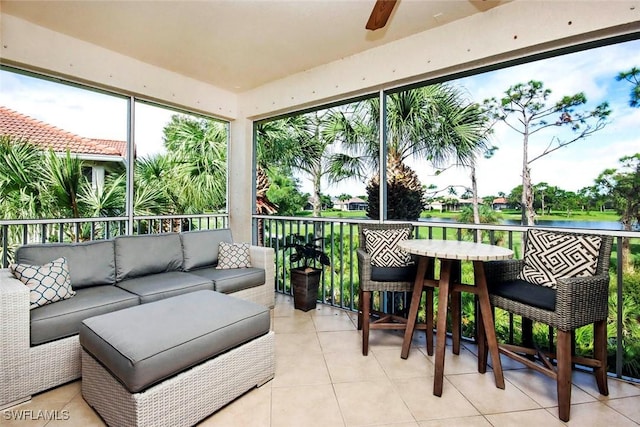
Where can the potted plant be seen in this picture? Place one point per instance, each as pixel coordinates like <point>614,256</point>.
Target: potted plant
<point>305,278</point>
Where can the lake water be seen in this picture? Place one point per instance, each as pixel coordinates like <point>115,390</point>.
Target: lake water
<point>593,225</point>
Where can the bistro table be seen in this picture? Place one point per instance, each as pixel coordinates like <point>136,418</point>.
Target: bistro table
<point>451,253</point>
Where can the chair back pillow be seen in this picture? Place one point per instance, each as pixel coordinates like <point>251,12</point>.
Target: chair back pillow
<point>382,245</point>
<point>549,256</point>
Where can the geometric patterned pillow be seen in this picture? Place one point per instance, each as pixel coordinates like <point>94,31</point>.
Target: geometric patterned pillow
<point>382,245</point>
<point>47,283</point>
<point>549,256</point>
<point>233,255</point>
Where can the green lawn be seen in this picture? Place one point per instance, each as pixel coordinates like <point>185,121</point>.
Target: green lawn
<point>506,214</point>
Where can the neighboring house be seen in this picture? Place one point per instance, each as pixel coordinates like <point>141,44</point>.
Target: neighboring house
<point>99,155</point>
<point>353,204</point>
<point>434,205</point>
<point>499,203</point>
<point>448,204</point>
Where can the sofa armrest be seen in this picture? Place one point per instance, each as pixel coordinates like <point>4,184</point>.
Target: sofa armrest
<point>14,304</point>
<point>14,338</point>
<point>264,257</point>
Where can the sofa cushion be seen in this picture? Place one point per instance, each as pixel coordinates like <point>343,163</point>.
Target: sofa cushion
<point>62,319</point>
<point>164,285</point>
<point>47,283</point>
<point>147,254</point>
<point>200,248</point>
<point>81,259</point>
<point>144,345</point>
<point>232,280</point>
<point>233,255</point>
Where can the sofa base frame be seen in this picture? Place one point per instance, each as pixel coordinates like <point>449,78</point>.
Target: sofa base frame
<point>186,398</point>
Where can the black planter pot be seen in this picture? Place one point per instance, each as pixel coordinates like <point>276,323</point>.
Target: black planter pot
<point>305,285</point>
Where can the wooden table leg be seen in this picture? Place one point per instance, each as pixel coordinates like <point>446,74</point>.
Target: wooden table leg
<point>415,306</point>
<point>429,320</point>
<point>456,306</point>
<point>487,318</point>
<point>482,342</point>
<point>441,328</point>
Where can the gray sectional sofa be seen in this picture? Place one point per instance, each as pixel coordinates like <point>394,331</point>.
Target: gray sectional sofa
<point>39,348</point>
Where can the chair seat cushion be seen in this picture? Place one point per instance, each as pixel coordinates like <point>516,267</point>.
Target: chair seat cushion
<point>526,293</point>
<point>393,274</point>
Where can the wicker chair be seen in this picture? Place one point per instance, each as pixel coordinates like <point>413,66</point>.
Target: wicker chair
<point>400,279</point>
<point>575,302</point>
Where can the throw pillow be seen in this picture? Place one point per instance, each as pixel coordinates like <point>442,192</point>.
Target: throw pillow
<point>233,255</point>
<point>382,245</point>
<point>47,283</point>
<point>550,256</point>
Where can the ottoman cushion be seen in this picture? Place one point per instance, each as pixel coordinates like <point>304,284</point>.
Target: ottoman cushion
<point>143,345</point>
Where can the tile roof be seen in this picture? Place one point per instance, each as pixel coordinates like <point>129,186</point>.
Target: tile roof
<point>121,146</point>
<point>50,137</point>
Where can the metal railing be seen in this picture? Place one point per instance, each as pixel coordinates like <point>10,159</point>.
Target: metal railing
<point>339,239</point>
<point>14,233</point>
<point>340,282</point>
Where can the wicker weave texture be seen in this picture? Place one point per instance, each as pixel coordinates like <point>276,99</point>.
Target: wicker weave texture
<point>262,257</point>
<point>364,262</point>
<point>263,295</point>
<point>25,370</point>
<point>14,339</point>
<point>186,398</point>
<point>579,300</point>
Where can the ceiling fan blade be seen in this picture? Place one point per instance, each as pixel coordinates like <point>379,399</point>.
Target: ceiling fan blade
<point>380,14</point>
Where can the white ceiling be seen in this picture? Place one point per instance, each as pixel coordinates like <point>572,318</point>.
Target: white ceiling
<point>238,45</point>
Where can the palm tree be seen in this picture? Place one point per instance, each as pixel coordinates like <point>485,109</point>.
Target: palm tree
<point>305,143</point>
<point>197,154</point>
<point>104,201</point>
<point>318,156</point>
<point>22,194</point>
<point>433,122</point>
<point>154,186</point>
<point>275,147</point>
<point>65,179</point>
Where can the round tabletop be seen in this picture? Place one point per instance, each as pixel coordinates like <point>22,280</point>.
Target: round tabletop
<point>453,249</point>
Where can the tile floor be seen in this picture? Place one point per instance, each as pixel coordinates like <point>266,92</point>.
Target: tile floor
<point>322,379</point>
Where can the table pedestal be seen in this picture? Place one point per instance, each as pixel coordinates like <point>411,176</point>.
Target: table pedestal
<point>450,284</point>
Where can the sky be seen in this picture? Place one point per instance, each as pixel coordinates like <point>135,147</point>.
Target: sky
<point>96,115</point>
<point>571,168</point>
<point>84,112</point>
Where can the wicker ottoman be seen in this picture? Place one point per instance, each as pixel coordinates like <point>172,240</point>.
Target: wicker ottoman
<point>174,362</point>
